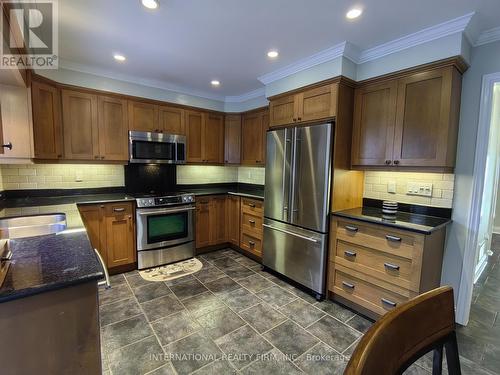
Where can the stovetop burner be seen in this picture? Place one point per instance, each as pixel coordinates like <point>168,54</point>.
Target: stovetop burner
<point>158,194</point>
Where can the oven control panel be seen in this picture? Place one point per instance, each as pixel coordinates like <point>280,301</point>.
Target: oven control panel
<point>165,201</point>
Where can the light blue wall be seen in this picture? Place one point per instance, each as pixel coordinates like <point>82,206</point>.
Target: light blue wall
<point>438,49</point>
<point>484,60</point>
<point>127,88</point>
<point>306,77</point>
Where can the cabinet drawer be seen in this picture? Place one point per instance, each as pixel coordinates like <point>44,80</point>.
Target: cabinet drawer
<point>366,294</point>
<point>112,209</point>
<point>252,206</point>
<point>375,263</point>
<point>251,223</point>
<point>251,243</point>
<point>392,241</point>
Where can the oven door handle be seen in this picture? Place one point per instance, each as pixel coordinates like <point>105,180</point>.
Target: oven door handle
<point>149,212</point>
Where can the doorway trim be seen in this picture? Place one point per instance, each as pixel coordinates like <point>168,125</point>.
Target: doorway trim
<point>468,268</point>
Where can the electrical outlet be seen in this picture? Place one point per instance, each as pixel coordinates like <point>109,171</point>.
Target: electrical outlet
<point>423,189</point>
<point>78,177</point>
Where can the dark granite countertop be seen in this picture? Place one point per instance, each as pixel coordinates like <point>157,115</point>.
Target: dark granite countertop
<point>244,190</point>
<point>404,220</point>
<point>44,263</point>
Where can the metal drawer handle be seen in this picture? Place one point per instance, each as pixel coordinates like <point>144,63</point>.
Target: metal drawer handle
<point>251,205</point>
<point>392,238</point>
<point>251,243</point>
<point>290,233</point>
<point>387,302</point>
<point>118,209</point>
<point>251,221</point>
<point>391,266</point>
<point>350,228</point>
<point>350,253</point>
<point>348,285</point>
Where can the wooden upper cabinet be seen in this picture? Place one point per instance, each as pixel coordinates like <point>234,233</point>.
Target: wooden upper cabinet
<point>427,119</point>
<point>142,116</point>
<point>318,103</point>
<point>47,126</point>
<point>213,138</point>
<point>232,139</point>
<point>80,125</point>
<point>310,104</point>
<point>283,111</point>
<point>374,117</point>
<point>253,133</point>
<point>408,122</point>
<point>171,120</point>
<point>113,128</point>
<point>194,135</point>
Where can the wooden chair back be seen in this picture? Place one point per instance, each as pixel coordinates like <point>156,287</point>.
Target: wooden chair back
<point>404,334</point>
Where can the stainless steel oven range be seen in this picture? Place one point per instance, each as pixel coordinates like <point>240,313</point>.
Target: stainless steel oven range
<point>165,229</point>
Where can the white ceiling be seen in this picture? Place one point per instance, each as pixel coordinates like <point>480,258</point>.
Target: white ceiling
<point>187,43</point>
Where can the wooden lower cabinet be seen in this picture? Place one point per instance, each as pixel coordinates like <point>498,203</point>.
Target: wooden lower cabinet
<point>229,219</point>
<point>375,268</point>
<point>111,230</point>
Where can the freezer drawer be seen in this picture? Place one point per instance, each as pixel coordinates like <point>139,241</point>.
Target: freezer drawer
<point>297,253</point>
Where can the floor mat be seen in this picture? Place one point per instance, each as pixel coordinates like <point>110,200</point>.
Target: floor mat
<point>172,271</point>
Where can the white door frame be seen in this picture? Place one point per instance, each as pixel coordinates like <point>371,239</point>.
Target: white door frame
<point>468,268</point>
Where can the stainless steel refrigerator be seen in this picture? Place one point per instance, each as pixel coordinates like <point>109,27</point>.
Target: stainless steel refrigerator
<point>296,204</point>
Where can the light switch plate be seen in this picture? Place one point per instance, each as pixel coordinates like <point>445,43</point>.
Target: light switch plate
<point>391,187</point>
<point>423,189</point>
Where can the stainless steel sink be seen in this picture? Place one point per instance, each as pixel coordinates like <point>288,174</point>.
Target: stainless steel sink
<point>29,226</point>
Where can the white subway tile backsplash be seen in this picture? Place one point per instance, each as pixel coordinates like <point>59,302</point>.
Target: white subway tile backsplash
<point>442,192</point>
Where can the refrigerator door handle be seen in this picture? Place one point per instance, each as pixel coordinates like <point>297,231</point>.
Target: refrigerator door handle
<point>285,213</point>
<point>293,177</point>
<point>291,233</point>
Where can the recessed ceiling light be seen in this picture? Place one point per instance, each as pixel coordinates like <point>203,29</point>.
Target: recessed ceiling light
<point>353,13</point>
<point>150,4</point>
<point>119,57</point>
<point>215,82</point>
<point>272,54</point>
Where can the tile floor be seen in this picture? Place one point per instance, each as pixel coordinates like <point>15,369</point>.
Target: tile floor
<point>229,318</point>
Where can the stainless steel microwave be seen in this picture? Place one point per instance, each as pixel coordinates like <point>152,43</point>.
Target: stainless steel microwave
<point>154,148</point>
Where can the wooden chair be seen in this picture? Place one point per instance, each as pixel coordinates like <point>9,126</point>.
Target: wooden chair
<point>406,333</point>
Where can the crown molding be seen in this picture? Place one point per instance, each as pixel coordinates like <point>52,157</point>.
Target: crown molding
<point>326,55</point>
<point>247,96</point>
<point>488,36</point>
<point>69,65</point>
<point>429,34</point>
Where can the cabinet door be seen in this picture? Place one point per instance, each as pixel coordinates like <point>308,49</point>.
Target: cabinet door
<point>317,103</point>
<point>81,139</point>
<point>203,222</point>
<point>422,120</point>
<point>232,139</point>
<point>113,128</point>
<point>213,138</point>
<point>194,130</point>
<point>47,127</point>
<point>120,247</point>
<point>218,220</point>
<point>374,117</point>
<point>252,136</point>
<point>171,120</point>
<point>265,128</point>
<point>283,111</point>
<point>92,219</point>
<point>142,117</point>
<point>233,219</point>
